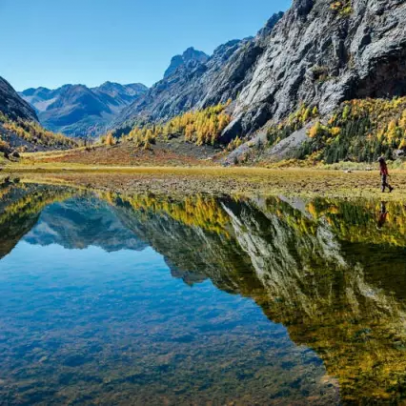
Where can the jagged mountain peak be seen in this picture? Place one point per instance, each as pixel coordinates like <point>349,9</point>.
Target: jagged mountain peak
<point>191,54</point>
<point>117,89</point>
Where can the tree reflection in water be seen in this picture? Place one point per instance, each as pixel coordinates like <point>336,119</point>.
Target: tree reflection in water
<point>327,270</point>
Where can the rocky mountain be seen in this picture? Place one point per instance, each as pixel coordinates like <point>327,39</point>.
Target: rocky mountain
<point>193,81</point>
<point>12,105</point>
<point>319,53</point>
<point>323,53</point>
<point>79,111</point>
<point>310,60</point>
<point>197,81</point>
<point>189,55</point>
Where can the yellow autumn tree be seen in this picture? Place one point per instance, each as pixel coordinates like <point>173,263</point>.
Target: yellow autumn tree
<point>109,140</point>
<point>315,130</point>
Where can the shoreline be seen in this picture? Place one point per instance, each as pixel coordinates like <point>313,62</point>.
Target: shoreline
<point>240,181</point>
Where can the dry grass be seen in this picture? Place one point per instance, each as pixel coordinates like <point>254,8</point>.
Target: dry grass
<point>233,181</point>
<point>125,154</point>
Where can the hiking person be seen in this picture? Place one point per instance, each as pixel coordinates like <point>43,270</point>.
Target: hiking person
<point>384,175</point>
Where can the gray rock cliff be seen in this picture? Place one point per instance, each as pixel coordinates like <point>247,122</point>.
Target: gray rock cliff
<point>322,55</point>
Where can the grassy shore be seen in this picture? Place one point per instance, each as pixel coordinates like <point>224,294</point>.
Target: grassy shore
<point>217,180</point>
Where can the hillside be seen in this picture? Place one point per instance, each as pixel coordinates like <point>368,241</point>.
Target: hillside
<point>319,53</point>
<point>79,111</point>
<point>12,105</point>
<point>19,127</point>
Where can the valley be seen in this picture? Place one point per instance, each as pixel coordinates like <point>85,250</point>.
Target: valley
<point>336,95</point>
<point>203,203</point>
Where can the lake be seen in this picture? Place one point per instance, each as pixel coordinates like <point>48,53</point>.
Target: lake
<point>148,299</point>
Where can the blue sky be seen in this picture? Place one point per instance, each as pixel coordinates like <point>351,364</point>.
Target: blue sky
<point>54,42</point>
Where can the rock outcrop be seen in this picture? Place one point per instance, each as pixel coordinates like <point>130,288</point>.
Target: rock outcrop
<point>190,54</point>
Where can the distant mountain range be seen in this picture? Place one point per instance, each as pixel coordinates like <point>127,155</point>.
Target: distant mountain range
<point>79,111</point>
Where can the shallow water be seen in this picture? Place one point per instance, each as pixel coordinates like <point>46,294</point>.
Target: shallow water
<point>135,300</point>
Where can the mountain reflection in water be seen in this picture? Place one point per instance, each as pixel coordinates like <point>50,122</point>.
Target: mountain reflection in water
<point>89,313</point>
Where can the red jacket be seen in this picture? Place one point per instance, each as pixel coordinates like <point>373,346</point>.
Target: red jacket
<point>384,169</point>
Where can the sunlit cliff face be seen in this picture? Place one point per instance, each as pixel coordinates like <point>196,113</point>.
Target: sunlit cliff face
<point>332,272</point>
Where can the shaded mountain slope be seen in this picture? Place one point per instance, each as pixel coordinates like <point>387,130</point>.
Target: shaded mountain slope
<point>19,127</point>
<point>12,105</point>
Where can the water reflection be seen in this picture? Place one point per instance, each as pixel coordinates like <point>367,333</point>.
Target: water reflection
<point>326,270</point>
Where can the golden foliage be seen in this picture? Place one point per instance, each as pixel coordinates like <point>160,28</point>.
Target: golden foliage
<point>360,130</point>
<point>32,132</point>
<point>197,211</point>
<point>342,7</point>
<point>110,140</point>
<point>294,122</point>
<point>315,130</point>
<point>199,127</point>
